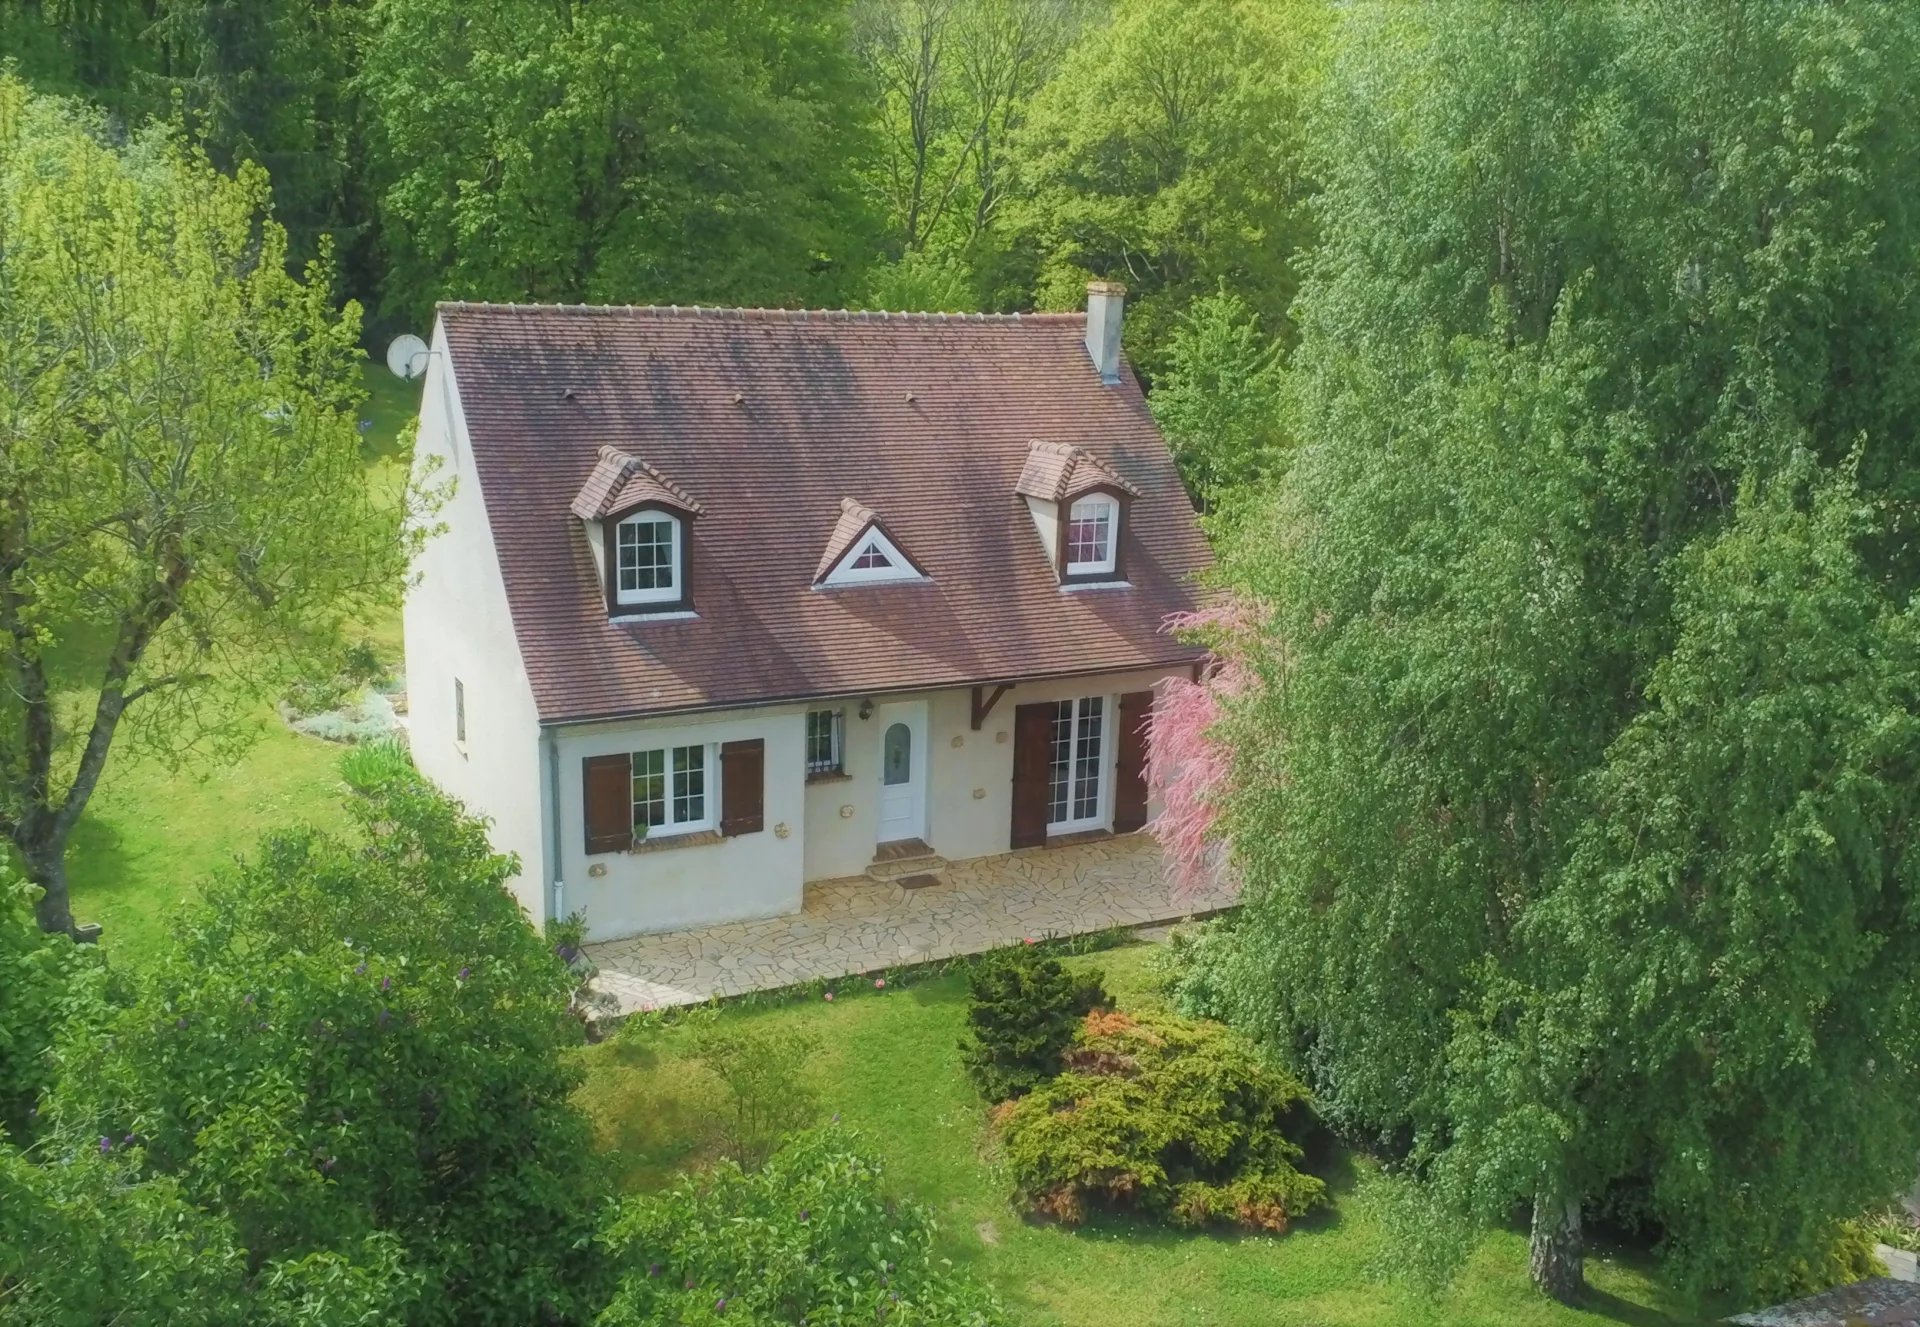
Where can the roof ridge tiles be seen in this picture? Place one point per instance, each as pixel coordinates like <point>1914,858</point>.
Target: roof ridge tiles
<point>731,312</point>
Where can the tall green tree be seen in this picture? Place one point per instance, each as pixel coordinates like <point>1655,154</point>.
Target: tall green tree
<point>1218,400</point>
<point>96,48</point>
<point>272,82</point>
<point>1574,791</point>
<point>684,151</point>
<point>1169,152</point>
<point>954,79</point>
<point>351,1061</point>
<point>183,514</point>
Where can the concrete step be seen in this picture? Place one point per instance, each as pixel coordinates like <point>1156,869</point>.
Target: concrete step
<point>888,872</point>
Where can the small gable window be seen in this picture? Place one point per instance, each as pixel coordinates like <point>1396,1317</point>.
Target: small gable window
<point>1093,528</point>
<point>871,558</point>
<point>647,559</point>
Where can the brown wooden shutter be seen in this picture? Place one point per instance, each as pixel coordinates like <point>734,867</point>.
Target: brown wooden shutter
<point>743,787</point>
<point>607,782</point>
<point>1032,772</point>
<point>1130,772</point>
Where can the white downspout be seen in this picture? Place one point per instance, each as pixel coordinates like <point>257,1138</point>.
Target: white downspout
<point>553,814</point>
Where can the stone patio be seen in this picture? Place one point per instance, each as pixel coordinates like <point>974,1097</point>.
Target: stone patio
<point>858,924</point>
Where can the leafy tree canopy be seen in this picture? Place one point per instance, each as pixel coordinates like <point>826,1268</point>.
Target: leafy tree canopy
<point>1574,787</point>
<point>185,515</point>
<point>1168,153</point>
<point>630,151</point>
<point>346,1070</point>
<point>1218,401</point>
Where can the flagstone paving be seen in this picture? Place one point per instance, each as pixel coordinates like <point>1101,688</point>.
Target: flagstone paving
<point>859,925</point>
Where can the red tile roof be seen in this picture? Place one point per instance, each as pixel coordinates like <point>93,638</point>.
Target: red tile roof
<point>620,482</point>
<point>1055,471</point>
<point>772,417</point>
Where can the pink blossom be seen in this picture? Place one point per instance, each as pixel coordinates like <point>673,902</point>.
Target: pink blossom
<point>828,996</point>
<point>879,983</point>
<point>1188,766</point>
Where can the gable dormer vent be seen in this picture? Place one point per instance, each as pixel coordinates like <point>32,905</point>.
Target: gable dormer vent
<point>860,551</point>
<point>638,525</point>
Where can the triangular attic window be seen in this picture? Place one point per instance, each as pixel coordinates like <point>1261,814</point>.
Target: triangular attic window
<point>871,559</point>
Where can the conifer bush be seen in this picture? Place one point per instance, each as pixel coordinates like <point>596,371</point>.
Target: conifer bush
<point>1167,1117</point>
<point>1021,1017</point>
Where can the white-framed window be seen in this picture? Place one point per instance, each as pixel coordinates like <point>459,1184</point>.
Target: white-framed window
<point>824,743</point>
<point>1078,765</point>
<point>459,712</point>
<point>1093,531</point>
<point>670,791</point>
<point>647,564</point>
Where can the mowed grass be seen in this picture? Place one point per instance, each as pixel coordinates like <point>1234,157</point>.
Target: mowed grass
<point>151,833</point>
<point>888,1065</point>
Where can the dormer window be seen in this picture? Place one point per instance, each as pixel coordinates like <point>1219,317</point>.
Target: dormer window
<point>1078,503</point>
<point>647,565</point>
<point>636,525</point>
<point>1093,526</point>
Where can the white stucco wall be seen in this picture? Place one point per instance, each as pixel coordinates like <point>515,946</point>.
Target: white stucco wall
<point>665,887</point>
<point>829,823</point>
<point>458,626</point>
<point>842,844</point>
<point>964,826</point>
<point>1046,519</point>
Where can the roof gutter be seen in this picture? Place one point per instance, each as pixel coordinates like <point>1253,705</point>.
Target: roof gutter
<point>1196,654</point>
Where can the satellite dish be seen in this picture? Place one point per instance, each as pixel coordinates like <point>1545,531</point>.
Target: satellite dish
<point>407,356</point>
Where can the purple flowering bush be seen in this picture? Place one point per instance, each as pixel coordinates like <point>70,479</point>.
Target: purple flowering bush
<point>811,1237</point>
<point>359,1036</point>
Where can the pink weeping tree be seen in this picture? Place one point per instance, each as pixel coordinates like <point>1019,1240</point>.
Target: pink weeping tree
<point>1188,764</point>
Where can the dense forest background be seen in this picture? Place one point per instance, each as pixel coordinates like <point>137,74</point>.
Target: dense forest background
<point>919,154</point>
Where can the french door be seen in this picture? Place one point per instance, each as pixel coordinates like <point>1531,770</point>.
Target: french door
<point>1077,772</point>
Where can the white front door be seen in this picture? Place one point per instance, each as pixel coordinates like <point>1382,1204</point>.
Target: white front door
<point>903,771</point>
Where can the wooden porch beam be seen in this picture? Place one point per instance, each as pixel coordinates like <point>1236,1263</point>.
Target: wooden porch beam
<point>982,710</point>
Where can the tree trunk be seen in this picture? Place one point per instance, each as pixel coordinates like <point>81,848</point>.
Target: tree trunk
<point>46,865</point>
<point>1555,1256</point>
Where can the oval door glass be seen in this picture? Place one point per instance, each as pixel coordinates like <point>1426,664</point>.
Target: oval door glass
<point>896,754</point>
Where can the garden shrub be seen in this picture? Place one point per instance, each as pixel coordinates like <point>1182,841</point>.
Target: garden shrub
<point>1845,1254</point>
<point>1021,1018</point>
<point>363,716</point>
<point>45,981</point>
<point>1194,968</point>
<point>809,1238</point>
<point>1896,1228</point>
<point>1173,1118</point>
<point>356,1036</point>
<point>769,1095</point>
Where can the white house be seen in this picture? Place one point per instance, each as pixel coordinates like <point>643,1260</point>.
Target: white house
<point>730,600</point>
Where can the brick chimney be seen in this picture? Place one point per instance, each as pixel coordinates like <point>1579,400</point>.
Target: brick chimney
<point>1105,302</point>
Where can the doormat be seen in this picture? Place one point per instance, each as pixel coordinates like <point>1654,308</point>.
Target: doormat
<point>920,881</point>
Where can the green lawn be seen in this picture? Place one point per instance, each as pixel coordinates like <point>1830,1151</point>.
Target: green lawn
<point>150,834</point>
<point>888,1065</point>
